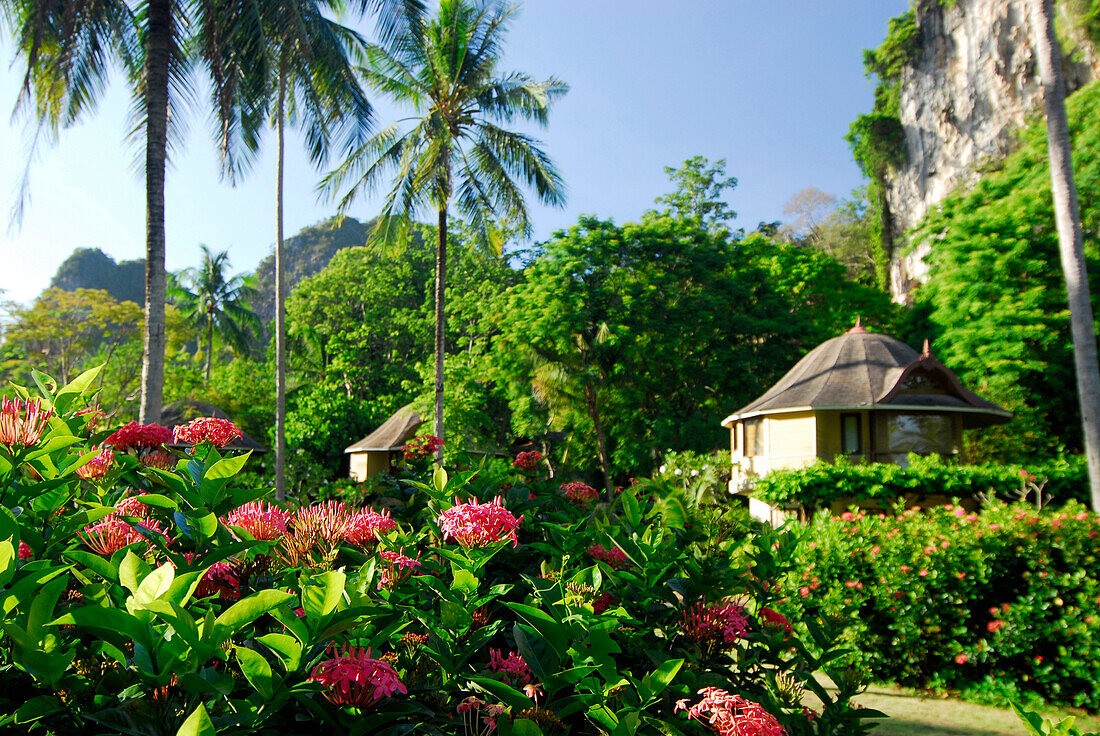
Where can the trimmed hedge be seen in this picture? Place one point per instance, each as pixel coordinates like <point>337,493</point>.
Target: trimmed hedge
<point>822,484</point>
<point>950,598</point>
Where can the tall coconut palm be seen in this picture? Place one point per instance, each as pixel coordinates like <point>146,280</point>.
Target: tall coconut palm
<point>1068,219</point>
<point>217,303</point>
<point>68,47</point>
<point>444,68</point>
<point>315,88</point>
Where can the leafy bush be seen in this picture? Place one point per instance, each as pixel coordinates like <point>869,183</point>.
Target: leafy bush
<point>145,593</point>
<point>949,597</point>
<point>822,484</point>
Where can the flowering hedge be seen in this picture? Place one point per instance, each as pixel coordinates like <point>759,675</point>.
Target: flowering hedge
<point>949,598</point>
<point>167,600</point>
<point>822,484</point>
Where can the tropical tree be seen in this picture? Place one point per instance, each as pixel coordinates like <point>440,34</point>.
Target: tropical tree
<point>315,88</point>
<point>1070,240</point>
<point>215,302</point>
<point>445,68</point>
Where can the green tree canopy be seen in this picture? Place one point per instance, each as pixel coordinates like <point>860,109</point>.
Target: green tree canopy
<point>996,298</point>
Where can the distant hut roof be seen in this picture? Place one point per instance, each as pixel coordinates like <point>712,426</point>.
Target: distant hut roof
<point>182,412</point>
<point>392,434</point>
<point>865,370</point>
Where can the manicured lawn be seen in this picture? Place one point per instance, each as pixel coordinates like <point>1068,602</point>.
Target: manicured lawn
<point>912,714</point>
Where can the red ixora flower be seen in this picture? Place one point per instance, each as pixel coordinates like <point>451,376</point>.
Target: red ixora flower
<point>352,677</point>
<point>366,526</point>
<point>774,620</point>
<point>474,524</point>
<point>98,466</point>
<point>159,459</point>
<point>614,557</point>
<point>731,715</point>
<point>110,534</point>
<point>24,550</point>
<point>578,492</point>
<point>218,432</point>
<point>260,519</point>
<point>528,460</point>
<point>139,437</point>
<point>421,447</point>
<point>329,520</point>
<point>396,567</point>
<point>222,579</point>
<point>514,667</point>
<point>22,422</point>
<point>724,622</point>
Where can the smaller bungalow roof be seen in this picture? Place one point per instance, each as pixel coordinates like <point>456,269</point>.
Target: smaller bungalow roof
<point>392,434</point>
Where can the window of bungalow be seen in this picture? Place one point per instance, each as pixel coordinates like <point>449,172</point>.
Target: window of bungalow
<point>754,437</point>
<point>851,438</point>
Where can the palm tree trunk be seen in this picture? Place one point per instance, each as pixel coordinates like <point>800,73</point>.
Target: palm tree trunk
<point>1068,219</point>
<point>209,342</point>
<point>157,56</point>
<point>280,296</point>
<point>440,323</point>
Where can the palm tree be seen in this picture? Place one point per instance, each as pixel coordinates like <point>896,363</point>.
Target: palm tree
<point>316,88</point>
<point>217,303</point>
<point>68,48</point>
<point>445,68</point>
<point>1068,219</point>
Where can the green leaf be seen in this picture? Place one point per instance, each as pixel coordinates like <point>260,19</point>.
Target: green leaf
<point>550,629</point>
<point>256,670</point>
<point>319,600</point>
<point>465,581</point>
<point>7,561</point>
<point>439,478</point>
<point>108,620</point>
<point>155,585</point>
<point>657,680</point>
<point>245,611</point>
<point>100,566</point>
<point>197,724</point>
<point>504,692</point>
<point>525,727</point>
<point>131,569</point>
<point>157,500</point>
<point>76,388</point>
<point>285,647</point>
<point>37,707</point>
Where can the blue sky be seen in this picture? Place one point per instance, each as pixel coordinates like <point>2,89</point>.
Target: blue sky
<point>770,87</point>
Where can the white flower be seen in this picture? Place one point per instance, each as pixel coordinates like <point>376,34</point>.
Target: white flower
<point>678,471</point>
<point>663,468</point>
<point>694,473</point>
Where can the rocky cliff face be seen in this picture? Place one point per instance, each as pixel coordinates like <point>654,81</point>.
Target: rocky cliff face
<point>972,81</point>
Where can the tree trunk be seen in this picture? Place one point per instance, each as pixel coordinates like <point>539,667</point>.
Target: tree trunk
<point>209,342</point>
<point>280,296</point>
<point>591,401</point>
<point>440,323</point>
<point>156,152</point>
<point>1068,219</point>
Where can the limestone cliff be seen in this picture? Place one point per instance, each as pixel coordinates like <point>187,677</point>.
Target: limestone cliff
<point>971,81</point>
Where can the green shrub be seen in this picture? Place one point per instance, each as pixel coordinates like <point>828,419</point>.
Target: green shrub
<point>822,484</point>
<point>950,597</point>
<point>154,596</point>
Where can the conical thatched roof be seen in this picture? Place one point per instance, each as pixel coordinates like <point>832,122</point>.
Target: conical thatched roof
<point>392,434</point>
<point>864,370</point>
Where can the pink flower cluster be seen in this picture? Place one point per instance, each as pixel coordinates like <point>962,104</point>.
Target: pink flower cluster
<point>332,523</point>
<point>22,422</point>
<point>136,436</point>
<point>366,526</point>
<point>260,519</point>
<point>775,621</point>
<point>604,602</point>
<point>579,493</point>
<point>723,622</point>
<point>528,460</point>
<point>25,551</point>
<point>396,567</point>
<point>614,557</point>
<point>514,667</point>
<point>222,579</point>
<point>132,506</point>
<point>421,447</point>
<point>472,706</point>
<point>111,533</point>
<point>474,524</point>
<point>353,678</point>
<point>98,466</point>
<point>731,715</point>
<point>218,432</point>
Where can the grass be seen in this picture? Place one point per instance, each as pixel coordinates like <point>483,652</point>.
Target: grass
<point>916,714</point>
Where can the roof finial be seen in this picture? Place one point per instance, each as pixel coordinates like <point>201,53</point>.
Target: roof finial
<point>858,329</point>
<point>927,351</point>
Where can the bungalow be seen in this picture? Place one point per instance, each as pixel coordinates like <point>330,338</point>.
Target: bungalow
<point>862,396</point>
<point>383,448</point>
